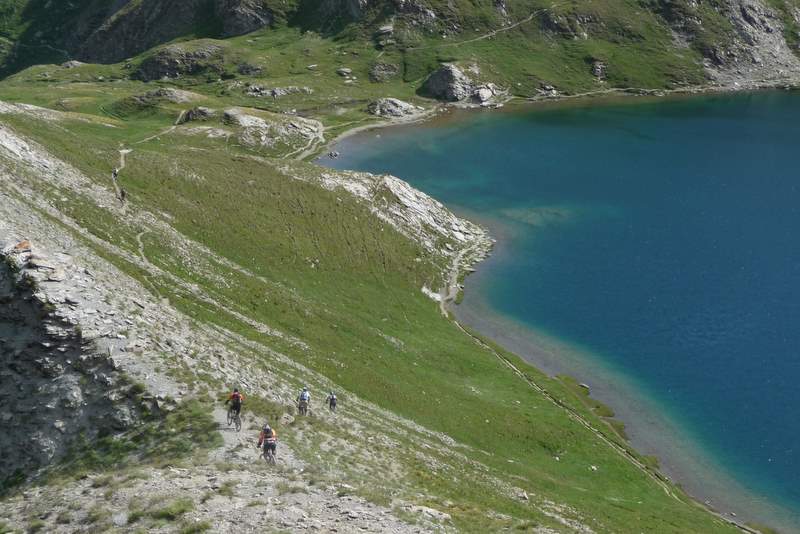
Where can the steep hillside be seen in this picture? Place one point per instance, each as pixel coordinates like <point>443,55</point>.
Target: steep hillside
<point>226,266</point>
<point>526,44</point>
<point>219,258</point>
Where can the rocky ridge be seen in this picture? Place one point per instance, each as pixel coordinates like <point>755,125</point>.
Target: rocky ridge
<point>410,211</point>
<point>55,385</point>
<point>130,27</point>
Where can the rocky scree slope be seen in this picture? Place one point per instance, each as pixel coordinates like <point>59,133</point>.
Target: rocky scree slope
<point>758,45</point>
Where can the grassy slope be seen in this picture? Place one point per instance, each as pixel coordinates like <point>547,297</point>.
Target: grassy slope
<point>555,47</point>
<point>365,288</point>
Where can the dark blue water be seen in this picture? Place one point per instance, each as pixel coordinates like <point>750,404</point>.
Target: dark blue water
<point>664,237</point>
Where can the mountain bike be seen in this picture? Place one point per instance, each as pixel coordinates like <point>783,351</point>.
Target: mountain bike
<point>235,418</point>
<point>269,453</point>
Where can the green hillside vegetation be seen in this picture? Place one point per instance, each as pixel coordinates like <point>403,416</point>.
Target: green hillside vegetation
<point>555,45</point>
<point>327,272</point>
<point>318,264</point>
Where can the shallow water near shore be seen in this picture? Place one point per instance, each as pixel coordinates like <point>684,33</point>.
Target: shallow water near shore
<point>649,249</point>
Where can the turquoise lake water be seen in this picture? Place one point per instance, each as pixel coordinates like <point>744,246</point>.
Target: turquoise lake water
<point>660,237</point>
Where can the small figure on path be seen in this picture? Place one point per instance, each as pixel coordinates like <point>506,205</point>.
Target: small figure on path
<point>331,401</point>
<point>115,173</point>
<point>123,195</point>
<point>268,442</point>
<point>236,399</point>
<point>303,400</point>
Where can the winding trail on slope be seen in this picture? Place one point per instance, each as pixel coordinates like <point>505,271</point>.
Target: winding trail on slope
<point>163,132</point>
<point>449,293</point>
<point>122,153</point>
<point>492,33</point>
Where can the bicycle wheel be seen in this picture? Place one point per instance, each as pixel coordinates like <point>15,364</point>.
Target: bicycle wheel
<point>230,417</point>
<point>238,421</point>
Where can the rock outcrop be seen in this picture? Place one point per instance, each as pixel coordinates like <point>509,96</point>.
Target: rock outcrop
<point>451,84</point>
<point>392,107</point>
<point>167,94</point>
<point>55,386</point>
<point>410,211</point>
<point>175,61</point>
<point>277,92</point>
<point>199,113</point>
<point>599,69</point>
<point>758,52</point>
<point>448,83</point>
<point>382,72</point>
<point>271,130</point>
<point>242,16</point>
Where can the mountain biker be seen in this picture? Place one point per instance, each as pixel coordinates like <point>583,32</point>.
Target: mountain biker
<point>331,401</point>
<point>268,438</point>
<point>236,399</point>
<point>303,399</point>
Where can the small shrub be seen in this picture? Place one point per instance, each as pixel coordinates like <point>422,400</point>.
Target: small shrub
<point>284,488</point>
<point>137,388</point>
<point>194,528</point>
<point>96,514</point>
<point>174,510</point>
<point>35,526</point>
<point>227,488</point>
<point>101,481</point>
<point>135,516</point>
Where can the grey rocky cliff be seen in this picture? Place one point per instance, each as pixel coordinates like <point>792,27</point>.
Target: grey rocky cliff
<point>242,16</point>
<point>758,53</point>
<point>754,53</point>
<point>55,386</point>
<point>134,27</point>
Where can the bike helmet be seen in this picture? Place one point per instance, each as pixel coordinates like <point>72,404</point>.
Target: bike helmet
<point>236,390</point>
